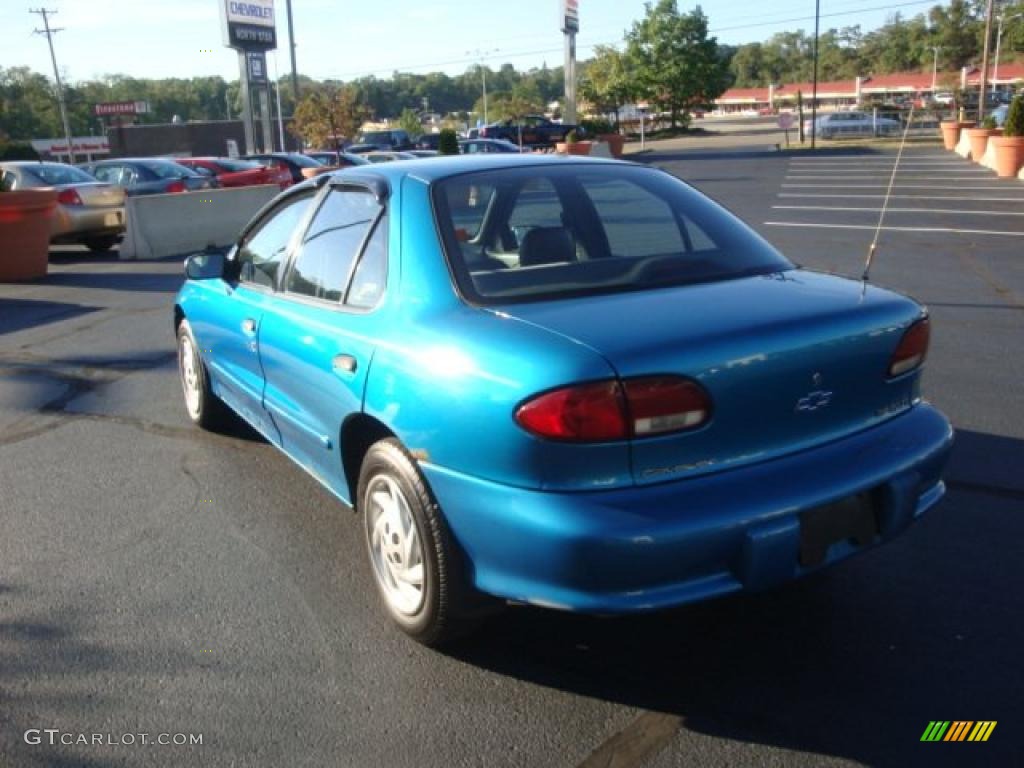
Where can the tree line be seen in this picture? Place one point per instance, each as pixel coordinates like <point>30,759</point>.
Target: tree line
<point>668,58</point>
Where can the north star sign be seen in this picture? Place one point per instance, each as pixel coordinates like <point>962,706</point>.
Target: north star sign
<point>248,25</point>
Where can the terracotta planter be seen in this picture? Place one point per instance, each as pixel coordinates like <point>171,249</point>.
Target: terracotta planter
<point>25,233</point>
<point>951,131</point>
<point>979,140</point>
<point>1009,155</point>
<point>576,148</point>
<point>615,141</point>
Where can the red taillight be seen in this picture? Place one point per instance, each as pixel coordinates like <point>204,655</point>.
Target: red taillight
<point>69,197</point>
<point>610,410</point>
<point>912,349</point>
<point>585,413</point>
<point>174,187</point>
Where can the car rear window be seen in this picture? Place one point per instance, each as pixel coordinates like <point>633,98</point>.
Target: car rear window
<point>236,165</point>
<point>168,170</point>
<point>548,231</point>
<point>55,175</point>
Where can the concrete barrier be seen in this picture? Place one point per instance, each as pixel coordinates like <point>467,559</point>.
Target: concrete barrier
<point>963,147</point>
<point>171,225</point>
<point>988,160</point>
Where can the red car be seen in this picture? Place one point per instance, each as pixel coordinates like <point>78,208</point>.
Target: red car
<point>231,172</point>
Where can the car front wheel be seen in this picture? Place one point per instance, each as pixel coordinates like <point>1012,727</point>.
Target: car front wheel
<point>411,554</point>
<point>203,407</point>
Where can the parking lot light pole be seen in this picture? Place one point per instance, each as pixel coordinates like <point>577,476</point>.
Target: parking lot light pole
<point>481,58</point>
<point>814,86</point>
<point>999,39</point>
<point>935,68</point>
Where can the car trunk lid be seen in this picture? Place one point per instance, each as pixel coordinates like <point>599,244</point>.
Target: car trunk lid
<point>99,194</point>
<point>790,360</point>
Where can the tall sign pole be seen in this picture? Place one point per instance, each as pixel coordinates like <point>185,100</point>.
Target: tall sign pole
<point>570,26</point>
<point>984,61</point>
<point>56,76</point>
<point>249,28</point>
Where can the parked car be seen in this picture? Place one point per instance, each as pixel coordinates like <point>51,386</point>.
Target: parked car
<point>370,141</point>
<point>293,162</point>
<point>429,141</point>
<point>88,211</point>
<point>148,175</point>
<point>477,146</point>
<point>388,157</point>
<point>231,172</point>
<point>570,382</point>
<point>842,124</point>
<point>999,114</point>
<point>533,130</point>
<point>337,159</point>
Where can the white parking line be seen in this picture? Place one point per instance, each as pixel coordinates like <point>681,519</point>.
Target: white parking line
<point>896,210</point>
<point>868,177</point>
<point>959,187</point>
<point>799,224</point>
<point>909,197</point>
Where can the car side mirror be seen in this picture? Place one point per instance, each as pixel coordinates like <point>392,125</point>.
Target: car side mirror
<point>205,266</point>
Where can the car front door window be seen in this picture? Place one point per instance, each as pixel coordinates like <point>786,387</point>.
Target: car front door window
<point>261,254</point>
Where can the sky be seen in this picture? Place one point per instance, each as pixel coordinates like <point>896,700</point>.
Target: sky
<point>335,39</point>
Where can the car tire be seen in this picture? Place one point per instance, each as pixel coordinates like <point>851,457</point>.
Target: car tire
<point>203,407</point>
<point>413,560</point>
<point>101,244</point>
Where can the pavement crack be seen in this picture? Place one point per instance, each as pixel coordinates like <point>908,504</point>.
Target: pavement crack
<point>637,743</point>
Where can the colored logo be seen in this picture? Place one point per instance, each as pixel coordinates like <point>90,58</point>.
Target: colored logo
<point>958,730</point>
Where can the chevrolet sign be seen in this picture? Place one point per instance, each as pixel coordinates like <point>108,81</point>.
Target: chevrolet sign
<point>248,25</point>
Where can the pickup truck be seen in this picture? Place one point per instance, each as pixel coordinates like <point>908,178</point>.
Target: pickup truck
<point>537,130</point>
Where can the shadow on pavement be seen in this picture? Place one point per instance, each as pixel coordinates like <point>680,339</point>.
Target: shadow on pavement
<point>156,282</point>
<point>19,314</point>
<point>853,662</point>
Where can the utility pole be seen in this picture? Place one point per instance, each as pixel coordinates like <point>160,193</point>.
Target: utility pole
<point>814,86</point>
<point>291,46</point>
<point>56,76</point>
<point>984,62</point>
<point>481,57</point>
<point>999,39</point>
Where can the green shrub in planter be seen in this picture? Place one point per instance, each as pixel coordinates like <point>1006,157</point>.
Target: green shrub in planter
<point>989,123</point>
<point>1014,125</point>
<point>447,142</point>
<point>571,138</point>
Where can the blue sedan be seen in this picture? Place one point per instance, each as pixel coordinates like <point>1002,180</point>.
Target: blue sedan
<point>570,382</point>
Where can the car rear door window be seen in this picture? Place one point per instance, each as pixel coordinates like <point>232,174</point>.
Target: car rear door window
<point>263,250</point>
<point>323,266</point>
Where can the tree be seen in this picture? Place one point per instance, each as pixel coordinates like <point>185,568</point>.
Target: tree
<point>677,65</point>
<point>329,114</point>
<point>605,81</point>
<point>447,142</point>
<point>409,121</point>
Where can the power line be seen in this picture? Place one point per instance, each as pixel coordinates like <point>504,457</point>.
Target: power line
<point>589,46</point>
<point>56,75</point>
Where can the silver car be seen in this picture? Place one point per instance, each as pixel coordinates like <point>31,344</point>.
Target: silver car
<point>88,211</point>
<point>840,124</point>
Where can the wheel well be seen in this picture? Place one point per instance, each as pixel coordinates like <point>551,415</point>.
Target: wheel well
<point>358,433</point>
<point>179,315</point>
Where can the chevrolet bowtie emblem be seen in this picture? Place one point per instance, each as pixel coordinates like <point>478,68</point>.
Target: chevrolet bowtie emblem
<point>813,401</point>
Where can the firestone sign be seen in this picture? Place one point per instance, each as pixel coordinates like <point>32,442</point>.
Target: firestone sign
<point>122,108</point>
<point>248,25</point>
<point>570,16</point>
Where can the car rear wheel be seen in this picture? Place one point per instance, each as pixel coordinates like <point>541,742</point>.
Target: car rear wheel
<point>101,244</point>
<point>203,407</point>
<point>412,557</point>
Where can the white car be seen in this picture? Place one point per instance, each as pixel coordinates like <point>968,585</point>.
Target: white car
<point>852,124</point>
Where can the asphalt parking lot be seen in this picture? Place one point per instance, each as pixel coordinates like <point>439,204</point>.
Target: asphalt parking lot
<point>156,579</point>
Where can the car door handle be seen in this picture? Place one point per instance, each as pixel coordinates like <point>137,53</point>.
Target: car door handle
<point>249,326</point>
<point>344,364</point>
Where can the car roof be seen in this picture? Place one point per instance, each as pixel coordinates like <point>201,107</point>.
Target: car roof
<point>133,160</point>
<point>444,166</point>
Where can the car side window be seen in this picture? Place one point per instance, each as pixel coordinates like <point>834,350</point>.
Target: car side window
<point>7,181</point>
<point>263,250</point>
<point>323,266</point>
<point>107,173</point>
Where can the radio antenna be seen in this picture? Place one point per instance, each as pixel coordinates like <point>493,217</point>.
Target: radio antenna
<point>885,203</point>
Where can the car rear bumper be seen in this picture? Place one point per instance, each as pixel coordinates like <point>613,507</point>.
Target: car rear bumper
<point>75,222</point>
<point>651,547</point>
